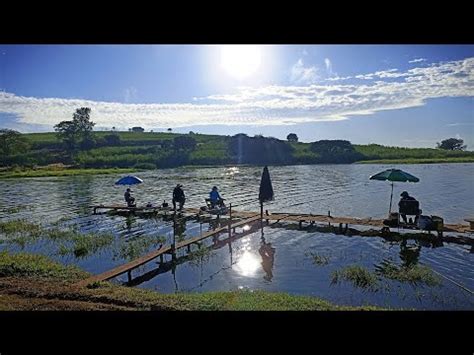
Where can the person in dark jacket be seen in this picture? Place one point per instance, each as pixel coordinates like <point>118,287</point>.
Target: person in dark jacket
<point>178,196</point>
<point>128,198</point>
<point>406,197</point>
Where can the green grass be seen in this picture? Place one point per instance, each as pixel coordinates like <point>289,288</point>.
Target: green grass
<point>419,160</point>
<point>62,172</point>
<point>23,264</point>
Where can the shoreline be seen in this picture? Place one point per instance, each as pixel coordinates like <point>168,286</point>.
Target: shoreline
<point>35,282</point>
<point>52,172</point>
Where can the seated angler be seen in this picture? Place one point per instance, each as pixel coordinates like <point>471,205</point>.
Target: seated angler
<point>129,199</point>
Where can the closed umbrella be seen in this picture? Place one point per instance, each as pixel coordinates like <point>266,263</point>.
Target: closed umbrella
<point>394,175</point>
<point>265,193</point>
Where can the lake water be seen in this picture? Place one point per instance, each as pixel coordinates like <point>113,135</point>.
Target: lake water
<point>445,190</point>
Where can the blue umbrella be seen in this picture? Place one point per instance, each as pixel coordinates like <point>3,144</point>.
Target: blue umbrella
<point>129,180</point>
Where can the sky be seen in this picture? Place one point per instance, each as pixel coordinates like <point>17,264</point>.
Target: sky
<point>397,95</point>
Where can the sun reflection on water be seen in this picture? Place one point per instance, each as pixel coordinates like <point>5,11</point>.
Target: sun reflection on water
<point>248,264</point>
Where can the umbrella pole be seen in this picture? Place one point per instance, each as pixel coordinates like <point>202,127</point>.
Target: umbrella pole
<point>391,195</point>
<point>261,219</point>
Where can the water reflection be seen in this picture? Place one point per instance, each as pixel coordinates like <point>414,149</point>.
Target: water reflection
<point>267,252</point>
<point>248,264</point>
<point>409,254</point>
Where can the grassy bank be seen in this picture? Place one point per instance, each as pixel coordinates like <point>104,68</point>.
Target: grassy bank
<point>44,172</point>
<point>34,282</point>
<point>151,150</point>
<point>419,160</point>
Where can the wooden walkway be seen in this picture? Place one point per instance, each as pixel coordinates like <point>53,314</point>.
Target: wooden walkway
<point>154,209</point>
<point>245,217</point>
<point>170,249</point>
<point>313,218</point>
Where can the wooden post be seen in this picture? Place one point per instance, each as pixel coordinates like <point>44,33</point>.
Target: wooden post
<point>129,274</point>
<point>173,245</point>
<point>161,258</point>
<point>230,220</point>
<point>300,224</point>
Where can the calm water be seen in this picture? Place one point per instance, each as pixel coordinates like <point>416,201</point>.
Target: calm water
<point>444,190</point>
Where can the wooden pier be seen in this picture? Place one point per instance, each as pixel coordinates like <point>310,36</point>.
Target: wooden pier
<point>170,249</point>
<point>245,217</point>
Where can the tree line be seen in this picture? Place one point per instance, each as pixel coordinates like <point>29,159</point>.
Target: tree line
<point>76,138</point>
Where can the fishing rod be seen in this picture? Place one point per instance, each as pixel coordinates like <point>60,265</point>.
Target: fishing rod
<point>451,280</point>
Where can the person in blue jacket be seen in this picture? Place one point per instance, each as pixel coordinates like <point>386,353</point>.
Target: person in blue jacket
<point>216,199</point>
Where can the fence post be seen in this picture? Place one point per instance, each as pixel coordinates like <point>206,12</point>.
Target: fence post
<point>230,219</point>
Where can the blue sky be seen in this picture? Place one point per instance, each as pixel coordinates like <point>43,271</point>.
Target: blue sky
<point>404,95</point>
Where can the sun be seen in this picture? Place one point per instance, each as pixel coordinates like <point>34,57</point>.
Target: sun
<point>240,61</point>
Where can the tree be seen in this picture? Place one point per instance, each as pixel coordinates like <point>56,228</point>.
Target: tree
<point>112,139</point>
<point>184,142</point>
<point>292,137</point>
<point>335,151</point>
<point>169,129</point>
<point>12,142</point>
<point>451,144</point>
<point>77,132</point>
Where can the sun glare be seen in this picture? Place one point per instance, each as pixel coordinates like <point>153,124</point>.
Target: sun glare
<point>240,61</point>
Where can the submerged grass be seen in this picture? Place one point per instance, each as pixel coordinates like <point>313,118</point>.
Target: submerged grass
<point>82,245</point>
<point>357,275</point>
<point>319,259</point>
<point>417,274</point>
<point>135,248</point>
<point>70,241</point>
<point>19,226</point>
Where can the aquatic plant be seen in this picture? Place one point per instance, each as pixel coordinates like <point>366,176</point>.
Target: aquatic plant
<point>357,275</point>
<point>19,226</point>
<point>135,248</point>
<point>82,245</point>
<point>200,255</point>
<point>319,259</point>
<point>416,274</point>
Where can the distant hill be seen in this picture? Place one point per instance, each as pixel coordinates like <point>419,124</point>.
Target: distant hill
<point>150,150</point>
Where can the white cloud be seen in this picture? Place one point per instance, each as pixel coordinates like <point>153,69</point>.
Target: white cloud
<point>300,74</point>
<point>417,60</point>
<point>269,105</point>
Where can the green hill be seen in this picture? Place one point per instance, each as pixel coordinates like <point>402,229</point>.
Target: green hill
<point>152,150</point>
